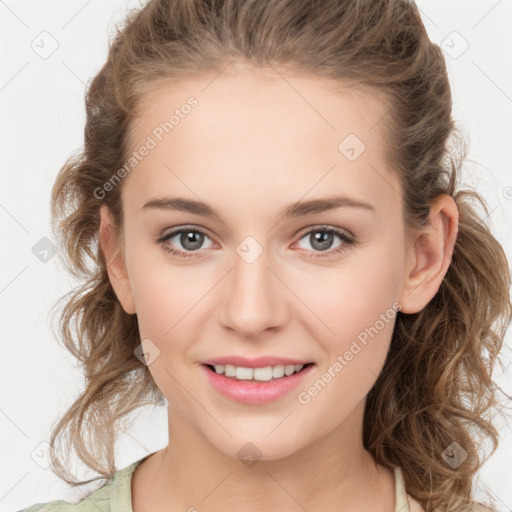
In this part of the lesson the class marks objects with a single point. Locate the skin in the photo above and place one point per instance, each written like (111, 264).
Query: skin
(252, 146)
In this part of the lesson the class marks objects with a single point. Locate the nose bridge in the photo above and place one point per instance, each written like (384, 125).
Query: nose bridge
(253, 301)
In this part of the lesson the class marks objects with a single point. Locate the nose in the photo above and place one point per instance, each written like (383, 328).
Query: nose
(253, 297)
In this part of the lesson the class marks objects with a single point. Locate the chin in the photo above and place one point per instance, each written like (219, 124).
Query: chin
(259, 447)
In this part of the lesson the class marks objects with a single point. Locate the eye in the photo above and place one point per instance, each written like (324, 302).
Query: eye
(321, 238)
(191, 240)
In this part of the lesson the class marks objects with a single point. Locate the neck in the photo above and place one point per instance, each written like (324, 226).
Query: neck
(334, 472)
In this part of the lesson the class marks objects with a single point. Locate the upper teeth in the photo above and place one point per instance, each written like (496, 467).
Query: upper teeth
(266, 373)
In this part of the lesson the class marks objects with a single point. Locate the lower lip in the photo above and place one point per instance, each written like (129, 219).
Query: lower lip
(255, 392)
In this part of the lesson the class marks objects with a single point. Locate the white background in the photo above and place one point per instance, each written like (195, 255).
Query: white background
(41, 124)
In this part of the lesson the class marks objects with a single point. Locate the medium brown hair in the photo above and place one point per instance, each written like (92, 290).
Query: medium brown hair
(436, 387)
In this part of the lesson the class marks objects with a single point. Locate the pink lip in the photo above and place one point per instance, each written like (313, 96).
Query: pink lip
(257, 362)
(254, 392)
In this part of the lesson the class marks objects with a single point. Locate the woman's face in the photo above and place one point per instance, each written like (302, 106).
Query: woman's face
(255, 281)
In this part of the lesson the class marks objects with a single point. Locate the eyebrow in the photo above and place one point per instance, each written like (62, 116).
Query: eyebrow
(299, 209)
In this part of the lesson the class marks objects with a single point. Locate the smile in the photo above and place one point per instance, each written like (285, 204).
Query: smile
(263, 374)
(255, 386)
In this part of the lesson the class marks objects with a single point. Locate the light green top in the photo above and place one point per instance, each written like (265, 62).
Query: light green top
(116, 496)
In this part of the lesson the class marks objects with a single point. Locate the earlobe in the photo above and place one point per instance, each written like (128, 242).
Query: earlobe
(431, 255)
(116, 267)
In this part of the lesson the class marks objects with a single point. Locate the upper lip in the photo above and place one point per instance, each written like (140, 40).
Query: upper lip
(256, 362)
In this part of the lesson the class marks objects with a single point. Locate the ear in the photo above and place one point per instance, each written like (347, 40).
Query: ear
(116, 267)
(430, 255)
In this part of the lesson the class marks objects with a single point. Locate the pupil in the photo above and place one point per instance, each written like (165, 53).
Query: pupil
(324, 240)
(193, 238)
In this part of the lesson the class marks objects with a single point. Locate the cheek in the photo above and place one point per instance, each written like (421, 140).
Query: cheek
(346, 300)
(354, 310)
(360, 312)
(163, 291)
(166, 306)
(164, 301)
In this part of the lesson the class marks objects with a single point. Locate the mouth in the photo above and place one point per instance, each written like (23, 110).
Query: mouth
(258, 385)
(260, 374)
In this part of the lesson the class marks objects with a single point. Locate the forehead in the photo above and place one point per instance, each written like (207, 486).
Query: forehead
(259, 126)
(253, 95)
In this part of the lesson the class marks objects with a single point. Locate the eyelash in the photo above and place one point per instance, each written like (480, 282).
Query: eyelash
(345, 237)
